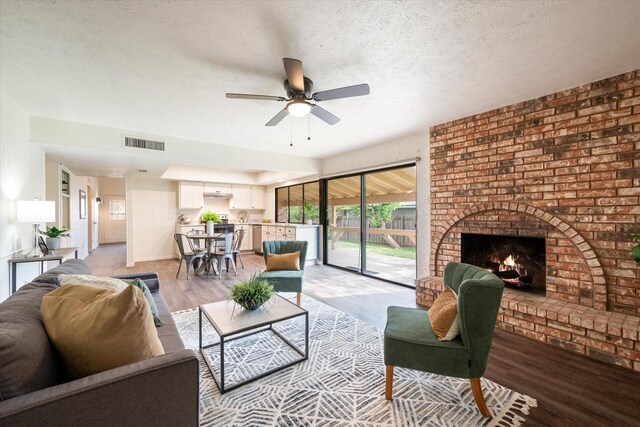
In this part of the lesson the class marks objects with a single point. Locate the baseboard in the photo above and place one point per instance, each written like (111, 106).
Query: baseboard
(155, 258)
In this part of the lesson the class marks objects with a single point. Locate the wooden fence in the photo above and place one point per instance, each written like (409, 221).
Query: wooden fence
(404, 223)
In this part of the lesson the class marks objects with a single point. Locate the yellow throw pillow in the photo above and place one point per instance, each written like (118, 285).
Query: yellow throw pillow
(109, 283)
(443, 315)
(290, 261)
(96, 330)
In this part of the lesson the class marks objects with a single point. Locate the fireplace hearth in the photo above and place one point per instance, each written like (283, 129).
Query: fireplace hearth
(518, 261)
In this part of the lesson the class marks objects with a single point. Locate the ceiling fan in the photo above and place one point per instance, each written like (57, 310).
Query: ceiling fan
(298, 89)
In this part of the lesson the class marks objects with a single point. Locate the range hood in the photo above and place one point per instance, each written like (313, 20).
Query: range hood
(217, 195)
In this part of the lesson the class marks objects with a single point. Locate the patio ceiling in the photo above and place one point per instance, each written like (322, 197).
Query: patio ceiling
(395, 185)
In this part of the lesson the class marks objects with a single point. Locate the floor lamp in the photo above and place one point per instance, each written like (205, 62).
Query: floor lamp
(35, 212)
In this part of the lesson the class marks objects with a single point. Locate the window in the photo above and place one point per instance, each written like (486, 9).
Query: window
(116, 209)
(295, 204)
(312, 202)
(282, 204)
(298, 203)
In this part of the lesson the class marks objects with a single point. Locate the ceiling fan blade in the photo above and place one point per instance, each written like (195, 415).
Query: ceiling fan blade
(293, 68)
(342, 92)
(324, 115)
(260, 97)
(278, 117)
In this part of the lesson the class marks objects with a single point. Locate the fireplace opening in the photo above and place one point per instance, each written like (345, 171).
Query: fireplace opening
(518, 261)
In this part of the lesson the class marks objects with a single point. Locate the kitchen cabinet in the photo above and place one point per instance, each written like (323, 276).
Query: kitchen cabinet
(294, 232)
(241, 197)
(246, 197)
(190, 195)
(257, 197)
(247, 240)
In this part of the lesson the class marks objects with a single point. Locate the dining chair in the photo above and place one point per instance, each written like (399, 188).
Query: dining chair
(238, 235)
(199, 245)
(189, 257)
(225, 254)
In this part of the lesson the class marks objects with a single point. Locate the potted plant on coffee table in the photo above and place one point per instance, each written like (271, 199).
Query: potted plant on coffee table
(53, 236)
(252, 293)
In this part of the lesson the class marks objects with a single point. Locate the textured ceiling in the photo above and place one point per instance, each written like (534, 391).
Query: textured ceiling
(164, 67)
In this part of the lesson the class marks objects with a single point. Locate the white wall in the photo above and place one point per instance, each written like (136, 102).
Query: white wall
(21, 178)
(152, 208)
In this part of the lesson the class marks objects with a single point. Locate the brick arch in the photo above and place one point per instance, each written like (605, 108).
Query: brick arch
(597, 272)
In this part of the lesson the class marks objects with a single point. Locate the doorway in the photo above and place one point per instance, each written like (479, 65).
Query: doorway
(371, 224)
(113, 219)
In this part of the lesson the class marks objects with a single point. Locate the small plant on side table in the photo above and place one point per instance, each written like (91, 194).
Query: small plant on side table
(252, 293)
(53, 236)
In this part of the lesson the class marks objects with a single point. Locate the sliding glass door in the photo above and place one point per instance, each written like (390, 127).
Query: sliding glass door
(344, 222)
(371, 224)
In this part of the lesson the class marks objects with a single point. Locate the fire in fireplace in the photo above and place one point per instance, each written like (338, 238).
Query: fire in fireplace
(518, 261)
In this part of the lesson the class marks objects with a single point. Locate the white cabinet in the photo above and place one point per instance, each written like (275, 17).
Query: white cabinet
(257, 197)
(190, 195)
(241, 197)
(269, 232)
(247, 240)
(246, 197)
(285, 232)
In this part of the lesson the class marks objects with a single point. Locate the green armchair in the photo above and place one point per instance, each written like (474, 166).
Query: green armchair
(286, 280)
(409, 341)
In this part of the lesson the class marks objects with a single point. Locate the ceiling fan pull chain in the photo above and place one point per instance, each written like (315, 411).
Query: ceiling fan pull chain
(291, 133)
(308, 128)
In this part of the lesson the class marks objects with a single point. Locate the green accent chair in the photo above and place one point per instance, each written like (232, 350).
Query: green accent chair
(286, 280)
(409, 341)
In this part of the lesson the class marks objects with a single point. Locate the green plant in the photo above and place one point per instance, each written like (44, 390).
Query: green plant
(210, 216)
(54, 232)
(252, 293)
(635, 251)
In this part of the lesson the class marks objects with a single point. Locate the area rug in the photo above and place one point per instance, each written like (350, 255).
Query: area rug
(341, 384)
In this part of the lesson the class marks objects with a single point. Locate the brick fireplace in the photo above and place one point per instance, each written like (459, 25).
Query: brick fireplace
(564, 168)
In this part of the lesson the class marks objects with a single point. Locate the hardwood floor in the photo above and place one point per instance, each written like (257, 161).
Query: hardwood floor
(571, 390)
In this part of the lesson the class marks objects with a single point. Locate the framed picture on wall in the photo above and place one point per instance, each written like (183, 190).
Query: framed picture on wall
(83, 204)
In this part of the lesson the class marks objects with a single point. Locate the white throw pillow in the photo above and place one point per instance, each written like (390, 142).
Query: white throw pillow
(108, 283)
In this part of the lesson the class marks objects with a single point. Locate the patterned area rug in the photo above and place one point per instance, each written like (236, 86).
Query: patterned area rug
(342, 383)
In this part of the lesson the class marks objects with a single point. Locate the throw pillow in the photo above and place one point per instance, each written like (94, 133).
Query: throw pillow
(290, 261)
(139, 283)
(443, 315)
(95, 330)
(108, 283)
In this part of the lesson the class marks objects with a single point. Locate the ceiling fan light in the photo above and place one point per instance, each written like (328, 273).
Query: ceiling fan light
(299, 108)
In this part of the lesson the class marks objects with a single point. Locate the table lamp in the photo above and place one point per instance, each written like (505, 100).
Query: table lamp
(35, 212)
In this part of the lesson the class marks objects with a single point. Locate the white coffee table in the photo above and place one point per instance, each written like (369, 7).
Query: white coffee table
(232, 322)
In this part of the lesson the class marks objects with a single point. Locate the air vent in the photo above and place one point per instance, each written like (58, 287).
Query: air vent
(143, 143)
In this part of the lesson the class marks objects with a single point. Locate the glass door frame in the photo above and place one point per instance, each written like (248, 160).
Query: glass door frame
(324, 205)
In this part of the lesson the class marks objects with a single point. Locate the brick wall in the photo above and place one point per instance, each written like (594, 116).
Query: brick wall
(566, 167)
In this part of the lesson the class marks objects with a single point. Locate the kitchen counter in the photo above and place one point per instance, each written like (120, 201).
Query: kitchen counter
(287, 231)
(282, 224)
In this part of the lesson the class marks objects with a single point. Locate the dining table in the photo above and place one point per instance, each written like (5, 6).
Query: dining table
(211, 244)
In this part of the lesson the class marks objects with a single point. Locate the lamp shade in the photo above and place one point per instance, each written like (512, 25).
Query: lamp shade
(298, 108)
(35, 211)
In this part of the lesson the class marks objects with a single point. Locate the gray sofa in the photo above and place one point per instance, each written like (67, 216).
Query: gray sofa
(34, 390)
